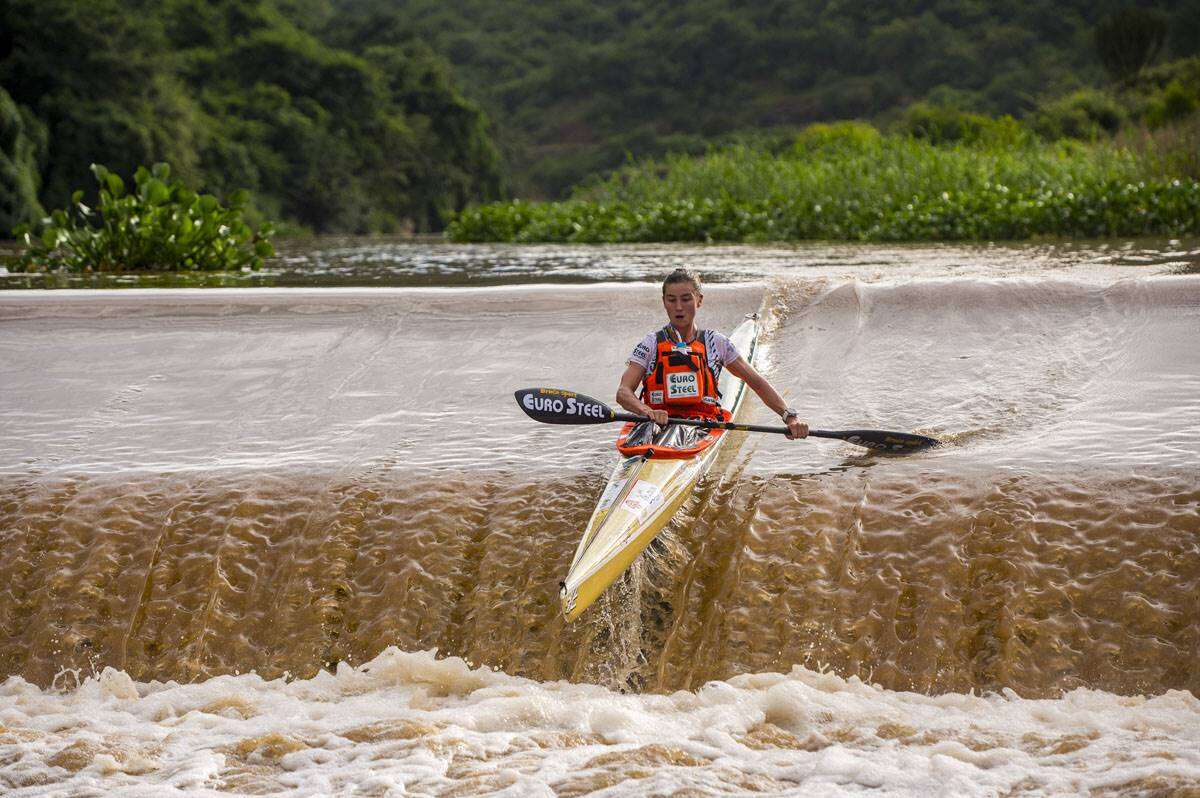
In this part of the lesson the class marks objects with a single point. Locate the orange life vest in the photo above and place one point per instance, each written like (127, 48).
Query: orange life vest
(680, 380)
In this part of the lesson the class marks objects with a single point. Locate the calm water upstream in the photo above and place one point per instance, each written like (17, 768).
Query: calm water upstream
(237, 522)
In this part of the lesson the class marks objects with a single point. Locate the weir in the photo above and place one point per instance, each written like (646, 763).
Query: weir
(195, 484)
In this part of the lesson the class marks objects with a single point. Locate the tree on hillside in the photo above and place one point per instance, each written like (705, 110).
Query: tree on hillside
(576, 87)
(1129, 40)
(234, 94)
(104, 98)
(22, 141)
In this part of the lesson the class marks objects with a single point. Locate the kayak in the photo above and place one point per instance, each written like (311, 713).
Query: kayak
(645, 491)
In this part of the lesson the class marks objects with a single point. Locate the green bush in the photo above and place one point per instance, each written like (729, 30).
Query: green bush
(903, 189)
(22, 140)
(823, 137)
(939, 124)
(1175, 102)
(160, 226)
(1086, 114)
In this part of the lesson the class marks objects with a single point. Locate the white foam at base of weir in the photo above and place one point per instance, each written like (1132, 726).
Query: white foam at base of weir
(524, 737)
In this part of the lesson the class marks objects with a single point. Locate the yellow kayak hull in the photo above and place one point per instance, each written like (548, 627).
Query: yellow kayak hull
(641, 498)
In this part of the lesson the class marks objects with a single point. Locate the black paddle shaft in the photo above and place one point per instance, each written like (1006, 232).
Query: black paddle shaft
(556, 406)
(880, 440)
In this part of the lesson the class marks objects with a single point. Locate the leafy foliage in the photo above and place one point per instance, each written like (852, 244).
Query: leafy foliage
(376, 116)
(327, 130)
(939, 124)
(1086, 114)
(21, 140)
(894, 188)
(160, 226)
(576, 87)
(821, 138)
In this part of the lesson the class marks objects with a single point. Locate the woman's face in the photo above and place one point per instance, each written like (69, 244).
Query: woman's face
(681, 301)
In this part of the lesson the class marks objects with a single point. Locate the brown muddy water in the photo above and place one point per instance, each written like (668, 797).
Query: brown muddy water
(206, 482)
(203, 483)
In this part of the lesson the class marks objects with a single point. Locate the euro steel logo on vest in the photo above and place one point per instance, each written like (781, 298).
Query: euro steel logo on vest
(682, 385)
(551, 404)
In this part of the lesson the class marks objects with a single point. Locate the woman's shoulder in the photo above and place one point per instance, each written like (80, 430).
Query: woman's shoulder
(643, 353)
(719, 344)
(716, 338)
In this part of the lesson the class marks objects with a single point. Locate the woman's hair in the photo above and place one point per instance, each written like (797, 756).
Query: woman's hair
(682, 276)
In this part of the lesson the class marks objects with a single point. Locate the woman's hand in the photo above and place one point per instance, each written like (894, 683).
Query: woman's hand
(796, 428)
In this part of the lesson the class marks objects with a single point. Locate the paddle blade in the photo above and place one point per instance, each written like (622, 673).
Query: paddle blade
(883, 441)
(556, 406)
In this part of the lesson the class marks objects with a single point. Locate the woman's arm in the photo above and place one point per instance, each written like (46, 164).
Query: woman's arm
(627, 399)
(770, 397)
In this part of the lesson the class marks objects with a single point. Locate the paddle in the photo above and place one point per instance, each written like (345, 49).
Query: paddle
(555, 406)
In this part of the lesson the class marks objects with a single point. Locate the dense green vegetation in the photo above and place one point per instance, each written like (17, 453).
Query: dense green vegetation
(1123, 161)
(575, 87)
(160, 226)
(849, 182)
(368, 115)
(329, 127)
(22, 140)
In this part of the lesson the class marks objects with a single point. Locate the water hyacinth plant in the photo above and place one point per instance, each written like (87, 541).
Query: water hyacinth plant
(161, 226)
(864, 188)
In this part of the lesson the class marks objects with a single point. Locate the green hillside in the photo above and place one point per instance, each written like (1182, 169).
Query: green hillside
(1116, 162)
(372, 115)
(576, 86)
(326, 131)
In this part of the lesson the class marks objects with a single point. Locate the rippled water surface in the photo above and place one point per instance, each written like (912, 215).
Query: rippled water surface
(199, 483)
(405, 263)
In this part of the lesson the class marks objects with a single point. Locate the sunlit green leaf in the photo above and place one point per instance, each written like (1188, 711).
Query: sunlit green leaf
(155, 192)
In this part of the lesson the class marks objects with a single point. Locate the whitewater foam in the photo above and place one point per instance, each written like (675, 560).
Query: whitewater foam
(411, 723)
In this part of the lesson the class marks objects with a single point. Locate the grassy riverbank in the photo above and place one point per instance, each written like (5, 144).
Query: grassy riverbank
(848, 182)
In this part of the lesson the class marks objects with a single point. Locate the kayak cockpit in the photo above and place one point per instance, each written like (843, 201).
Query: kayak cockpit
(644, 439)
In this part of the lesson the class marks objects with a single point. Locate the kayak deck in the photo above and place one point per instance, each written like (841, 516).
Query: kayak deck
(676, 441)
(642, 495)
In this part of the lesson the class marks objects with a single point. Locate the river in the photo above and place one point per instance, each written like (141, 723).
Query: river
(293, 535)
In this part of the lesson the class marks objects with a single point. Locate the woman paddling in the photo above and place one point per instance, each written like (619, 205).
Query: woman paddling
(678, 366)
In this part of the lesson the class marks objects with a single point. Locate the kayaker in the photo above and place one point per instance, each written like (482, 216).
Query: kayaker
(678, 366)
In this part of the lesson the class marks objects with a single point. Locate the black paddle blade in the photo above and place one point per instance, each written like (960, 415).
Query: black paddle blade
(555, 406)
(882, 441)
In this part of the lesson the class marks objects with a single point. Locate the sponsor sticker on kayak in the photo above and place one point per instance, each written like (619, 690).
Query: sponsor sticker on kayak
(643, 500)
(616, 482)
